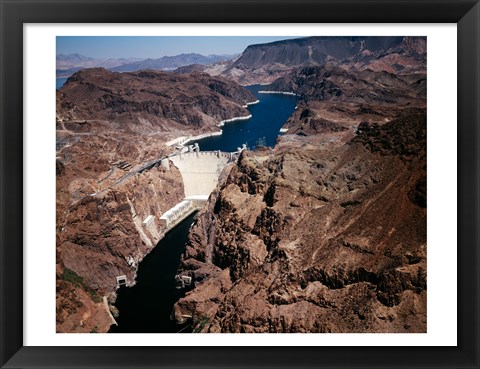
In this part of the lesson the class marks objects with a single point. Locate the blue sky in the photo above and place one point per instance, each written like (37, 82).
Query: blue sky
(156, 46)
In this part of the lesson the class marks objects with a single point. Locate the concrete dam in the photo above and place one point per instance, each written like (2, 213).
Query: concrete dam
(200, 170)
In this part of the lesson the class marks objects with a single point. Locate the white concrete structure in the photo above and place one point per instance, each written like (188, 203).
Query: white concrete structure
(121, 280)
(148, 221)
(150, 226)
(200, 170)
(176, 214)
(183, 281)
(198, 201)
(165, 164)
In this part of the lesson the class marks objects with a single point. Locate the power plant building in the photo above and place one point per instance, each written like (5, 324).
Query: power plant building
(175, 213)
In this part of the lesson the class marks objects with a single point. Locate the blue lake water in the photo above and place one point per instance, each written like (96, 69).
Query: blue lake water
(268, 116)
(60, 82)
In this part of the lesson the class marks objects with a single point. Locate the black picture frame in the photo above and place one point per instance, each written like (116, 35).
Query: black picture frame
(14, 13)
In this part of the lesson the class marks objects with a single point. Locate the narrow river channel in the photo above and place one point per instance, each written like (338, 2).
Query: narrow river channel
(147, 306)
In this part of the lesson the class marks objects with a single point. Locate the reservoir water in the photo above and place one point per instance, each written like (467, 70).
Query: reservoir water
(268, 116)
(147, 306)
(60, 82)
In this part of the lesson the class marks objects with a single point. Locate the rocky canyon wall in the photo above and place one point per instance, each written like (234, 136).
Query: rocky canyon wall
(316, 239)
(104, 236)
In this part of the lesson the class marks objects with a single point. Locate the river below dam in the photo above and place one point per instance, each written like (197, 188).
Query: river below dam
(147, 306)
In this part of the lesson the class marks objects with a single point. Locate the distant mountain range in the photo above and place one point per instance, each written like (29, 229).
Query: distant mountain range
(264, 63)
(172, 62)
(71, 63)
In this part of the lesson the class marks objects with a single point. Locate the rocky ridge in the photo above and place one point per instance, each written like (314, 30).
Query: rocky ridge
(100, 230)
(147, 102)
(334, 101)
(327, 231)
(263, 63)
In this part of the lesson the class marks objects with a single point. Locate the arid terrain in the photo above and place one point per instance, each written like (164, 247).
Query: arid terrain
(325, 232)
(109, 125)
(317, 238)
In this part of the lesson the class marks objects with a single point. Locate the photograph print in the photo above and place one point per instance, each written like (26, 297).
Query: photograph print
(214, 184)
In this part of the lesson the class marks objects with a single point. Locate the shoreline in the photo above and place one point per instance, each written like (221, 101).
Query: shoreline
(278, 92)
(204, 135)
(251, 103)
(234, 119)
(183, 140)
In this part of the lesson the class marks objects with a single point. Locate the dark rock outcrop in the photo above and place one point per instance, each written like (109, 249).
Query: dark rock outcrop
(337, 84)
(151, 101)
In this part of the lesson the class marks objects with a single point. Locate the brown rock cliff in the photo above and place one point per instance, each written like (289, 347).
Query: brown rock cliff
(315, 239)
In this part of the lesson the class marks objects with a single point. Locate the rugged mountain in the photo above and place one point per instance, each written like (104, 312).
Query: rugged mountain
(333, 99)
(315, 239)
(149, 101)
(102, 201)
(324, 233)
(314, 50)
(172, 62)
(187, 69)
(263, 63)
(66, 65)
(337, 84)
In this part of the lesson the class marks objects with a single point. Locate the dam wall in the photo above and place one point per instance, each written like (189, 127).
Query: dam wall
(200, 170)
